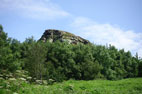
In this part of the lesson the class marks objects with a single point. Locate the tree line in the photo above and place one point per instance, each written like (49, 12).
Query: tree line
(62, 61)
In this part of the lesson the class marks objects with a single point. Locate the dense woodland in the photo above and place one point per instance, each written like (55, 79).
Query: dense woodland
(63, 61)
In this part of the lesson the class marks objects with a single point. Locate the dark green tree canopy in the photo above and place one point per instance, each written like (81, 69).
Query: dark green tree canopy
(62, 61)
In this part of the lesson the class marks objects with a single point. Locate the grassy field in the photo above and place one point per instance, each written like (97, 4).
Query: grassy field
(125, 86)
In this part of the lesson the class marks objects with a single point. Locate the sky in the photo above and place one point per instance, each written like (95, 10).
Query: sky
(115, 22)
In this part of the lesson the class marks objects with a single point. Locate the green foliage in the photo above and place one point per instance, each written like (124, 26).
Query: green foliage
(11, 86)
(35, 60)
(62, 61)
(140, 68)
(9, 53)
(125, 86)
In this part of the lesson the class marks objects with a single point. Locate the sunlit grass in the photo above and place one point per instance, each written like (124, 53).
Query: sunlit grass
(125, 86)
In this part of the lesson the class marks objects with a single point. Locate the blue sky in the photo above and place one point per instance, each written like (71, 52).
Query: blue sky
(116, 22)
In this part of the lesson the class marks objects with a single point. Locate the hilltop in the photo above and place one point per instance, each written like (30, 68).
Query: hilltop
(53, 35)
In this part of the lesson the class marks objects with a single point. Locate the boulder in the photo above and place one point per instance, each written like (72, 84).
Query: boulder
(52, 35)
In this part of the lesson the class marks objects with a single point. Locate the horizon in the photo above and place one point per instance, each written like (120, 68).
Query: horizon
(115, 22)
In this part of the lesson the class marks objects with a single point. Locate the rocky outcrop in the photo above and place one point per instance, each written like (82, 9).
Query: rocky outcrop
(53, 35)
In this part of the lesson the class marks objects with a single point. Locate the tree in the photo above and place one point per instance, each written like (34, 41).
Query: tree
(7, 60)
(35, 60)
(140, 68)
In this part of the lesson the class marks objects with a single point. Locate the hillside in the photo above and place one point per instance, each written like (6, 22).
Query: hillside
(48, 65)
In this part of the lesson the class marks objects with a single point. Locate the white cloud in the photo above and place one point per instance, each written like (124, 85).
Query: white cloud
(108, 34)
(97, 33)
(38, 9)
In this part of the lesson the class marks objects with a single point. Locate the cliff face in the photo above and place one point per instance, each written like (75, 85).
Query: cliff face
(54, 35)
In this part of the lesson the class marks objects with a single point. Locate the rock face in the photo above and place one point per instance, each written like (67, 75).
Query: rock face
(53, 35)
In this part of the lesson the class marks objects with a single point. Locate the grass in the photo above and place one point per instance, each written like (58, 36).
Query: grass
(125, 86)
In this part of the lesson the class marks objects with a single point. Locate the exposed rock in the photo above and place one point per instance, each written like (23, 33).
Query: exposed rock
(53, 35)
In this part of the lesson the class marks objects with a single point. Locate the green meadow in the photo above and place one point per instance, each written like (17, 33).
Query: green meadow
(125, 86)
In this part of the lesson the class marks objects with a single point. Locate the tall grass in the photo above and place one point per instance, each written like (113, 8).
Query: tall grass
(125, 86)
